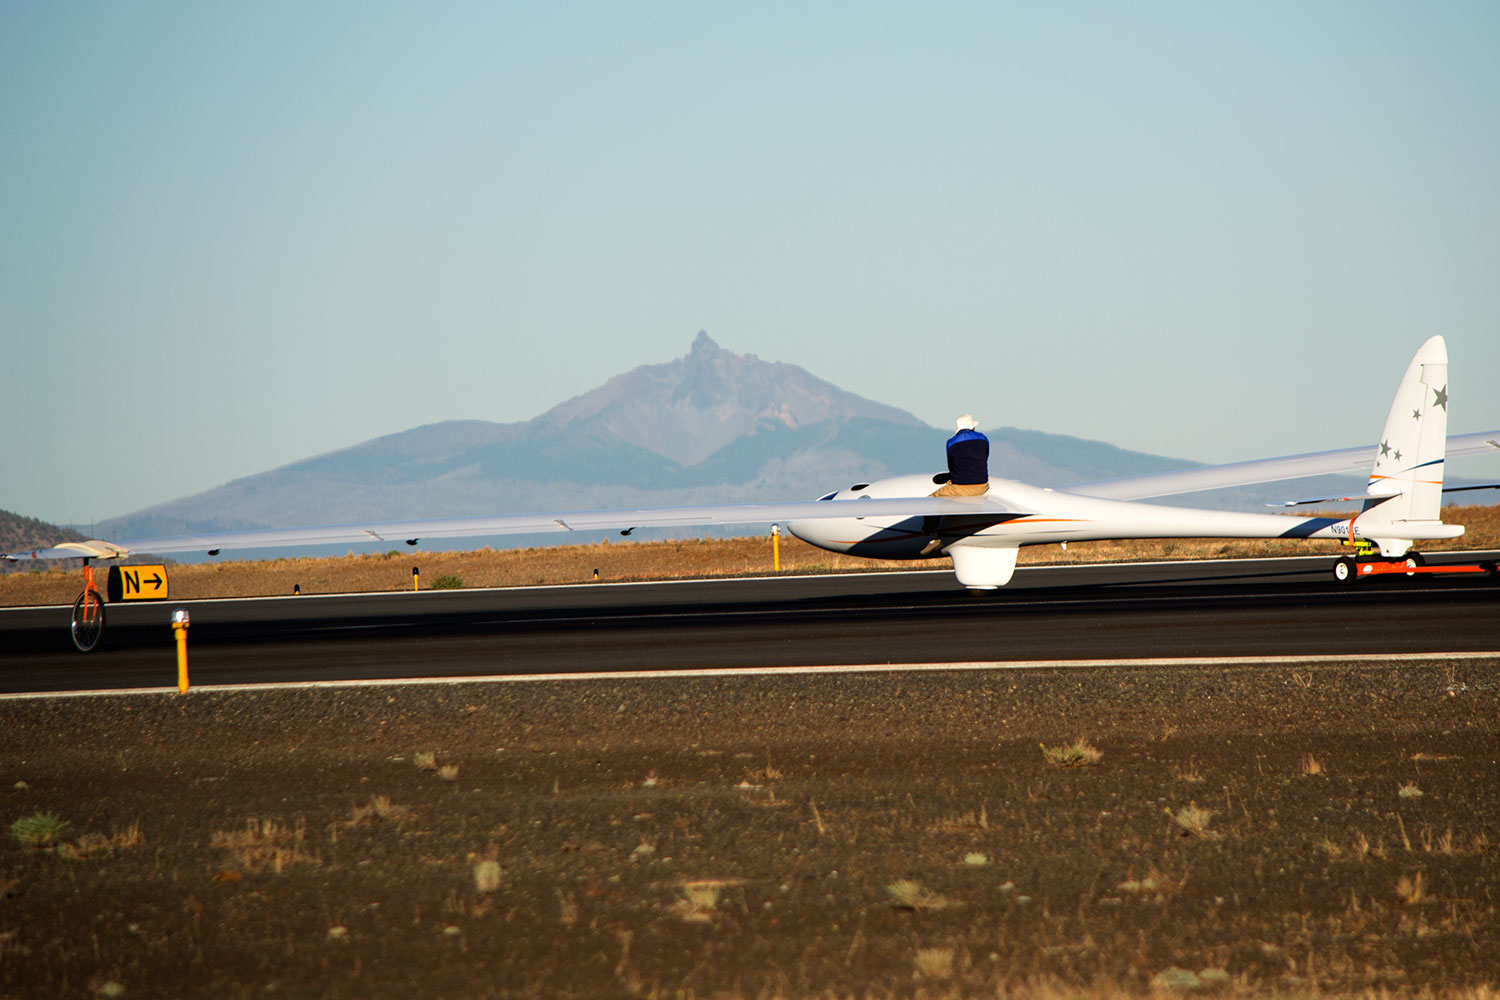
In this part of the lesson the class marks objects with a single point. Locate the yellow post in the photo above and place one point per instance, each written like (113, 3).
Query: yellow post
(416, 578)
(776, 547)
(179, 628)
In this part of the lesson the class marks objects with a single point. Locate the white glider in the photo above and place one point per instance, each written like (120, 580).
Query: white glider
(897, 518)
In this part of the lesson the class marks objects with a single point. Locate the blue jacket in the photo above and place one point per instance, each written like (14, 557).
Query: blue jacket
(969, 458)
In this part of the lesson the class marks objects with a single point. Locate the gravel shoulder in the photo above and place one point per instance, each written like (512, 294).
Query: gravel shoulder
(859, 835)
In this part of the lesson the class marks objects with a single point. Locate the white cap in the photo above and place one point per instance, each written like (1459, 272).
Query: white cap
(967, 422)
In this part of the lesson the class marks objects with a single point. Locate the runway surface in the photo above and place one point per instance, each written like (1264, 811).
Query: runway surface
(1237, 608)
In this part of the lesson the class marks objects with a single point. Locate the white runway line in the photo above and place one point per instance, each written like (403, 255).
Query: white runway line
(863, 668)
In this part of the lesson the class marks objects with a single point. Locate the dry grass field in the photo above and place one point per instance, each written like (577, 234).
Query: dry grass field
(1227, 832)
(619, 560)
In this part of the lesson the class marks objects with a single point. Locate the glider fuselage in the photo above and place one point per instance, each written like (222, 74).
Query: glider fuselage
(1042, 516)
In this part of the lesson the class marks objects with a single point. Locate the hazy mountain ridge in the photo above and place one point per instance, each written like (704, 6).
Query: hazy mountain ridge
(711, 426)
(19, 533)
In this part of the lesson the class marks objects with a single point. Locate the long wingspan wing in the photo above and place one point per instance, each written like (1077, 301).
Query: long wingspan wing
(512, 524)
(1318, 463)
(1352, 460)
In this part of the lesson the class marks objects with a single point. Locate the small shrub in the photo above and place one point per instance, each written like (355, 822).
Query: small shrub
(1310, 766)
(448, 582)
(969, 822)
(1442, 845)
(761, 775)
(699, 902)
(1193, 821)
(265, 845)
(907, 894)
(1176, 980)
(1361, 845)
(1410, 889)
(92, 845)
(1409, 791)
(39, 830)
(1190, 774)
(1079, 753)
(1153, 884)
(380, 809)
(487, 875)
(934, 963)
(567, 909)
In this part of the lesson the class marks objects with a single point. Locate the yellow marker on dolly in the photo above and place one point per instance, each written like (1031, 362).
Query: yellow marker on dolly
(179, 628)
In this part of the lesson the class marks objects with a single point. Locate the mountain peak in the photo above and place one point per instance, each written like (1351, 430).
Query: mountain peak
(688, 408)
(704, 344)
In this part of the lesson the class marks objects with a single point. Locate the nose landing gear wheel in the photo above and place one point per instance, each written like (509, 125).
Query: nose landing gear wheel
(88, 620)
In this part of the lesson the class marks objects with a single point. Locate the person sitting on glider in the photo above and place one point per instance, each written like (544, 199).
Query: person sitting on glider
(968, 461)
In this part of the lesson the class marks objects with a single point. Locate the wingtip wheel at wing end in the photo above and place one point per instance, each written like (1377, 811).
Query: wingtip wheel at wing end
(87, 626)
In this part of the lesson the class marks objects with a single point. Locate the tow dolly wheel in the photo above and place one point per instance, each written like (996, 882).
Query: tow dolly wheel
(1413, 561)
(1345, 570)
(88, 620)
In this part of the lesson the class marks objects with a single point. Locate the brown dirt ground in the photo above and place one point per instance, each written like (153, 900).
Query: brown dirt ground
(629, 560)
(746, 837)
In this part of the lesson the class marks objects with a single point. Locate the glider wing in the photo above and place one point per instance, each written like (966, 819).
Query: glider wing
(474, 527)
(1352, 461)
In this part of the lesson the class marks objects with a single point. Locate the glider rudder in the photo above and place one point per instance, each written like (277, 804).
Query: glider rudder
(1406, 479)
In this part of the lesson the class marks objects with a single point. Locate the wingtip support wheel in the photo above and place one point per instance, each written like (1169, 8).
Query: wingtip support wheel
(88, 621)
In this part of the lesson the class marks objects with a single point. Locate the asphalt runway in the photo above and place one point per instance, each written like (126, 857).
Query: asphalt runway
(1233, 608)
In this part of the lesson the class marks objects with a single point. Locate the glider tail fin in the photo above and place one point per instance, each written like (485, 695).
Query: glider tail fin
(1406, 482)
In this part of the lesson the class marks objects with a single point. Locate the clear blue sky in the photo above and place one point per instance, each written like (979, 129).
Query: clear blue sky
(236, 235)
